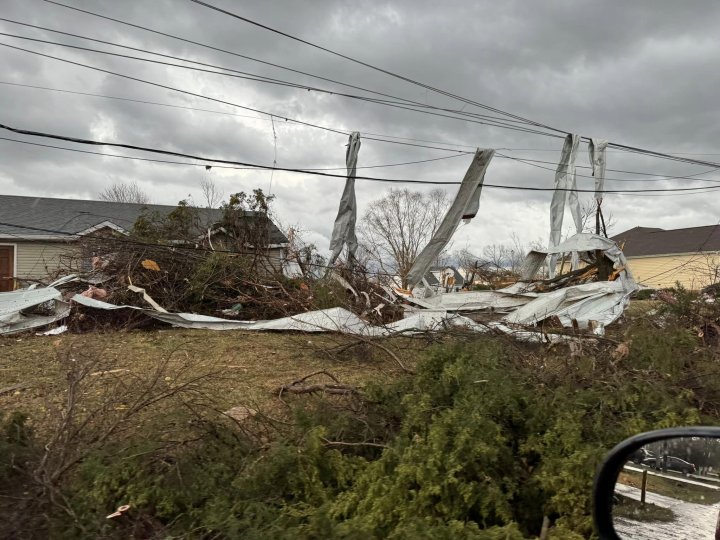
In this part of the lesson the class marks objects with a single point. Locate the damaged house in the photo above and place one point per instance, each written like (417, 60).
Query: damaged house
(39, 236)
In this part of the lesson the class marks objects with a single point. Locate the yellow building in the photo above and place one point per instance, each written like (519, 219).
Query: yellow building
(660, 258)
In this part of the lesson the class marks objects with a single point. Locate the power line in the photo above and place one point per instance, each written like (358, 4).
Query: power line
(167, 162)
(500, 121)
(133, 25)
(655, 176)
(213, 111)
(375, 68)
(252, 76)
(319, 173)
(166, 87)
(228, 72)
(217, 166)
(618, 146)
(278, 116)
(638, 173)
(658, 178)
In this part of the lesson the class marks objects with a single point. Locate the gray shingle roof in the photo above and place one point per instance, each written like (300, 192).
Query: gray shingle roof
(40, 217)
(645, 241)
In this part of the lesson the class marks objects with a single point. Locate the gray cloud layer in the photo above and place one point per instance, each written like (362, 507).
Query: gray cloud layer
(638, 73)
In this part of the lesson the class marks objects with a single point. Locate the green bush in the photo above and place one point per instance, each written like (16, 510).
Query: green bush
(644, 294)
(482, 442)
(482, 287)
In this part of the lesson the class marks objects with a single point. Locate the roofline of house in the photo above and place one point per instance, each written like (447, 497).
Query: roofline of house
(105, 224)
(38, 237)
(680, 254)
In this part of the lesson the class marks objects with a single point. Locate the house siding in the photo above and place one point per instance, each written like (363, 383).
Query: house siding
(693, 271)
(41, 260)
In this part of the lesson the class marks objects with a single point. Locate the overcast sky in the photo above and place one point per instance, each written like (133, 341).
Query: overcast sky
(642, 74)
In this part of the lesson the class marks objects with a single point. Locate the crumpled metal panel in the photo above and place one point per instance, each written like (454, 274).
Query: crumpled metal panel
(565, 190)
(578, 243)
(13, 303)
(596, 149)
(344, 228)
(468, 197)
(601, 301)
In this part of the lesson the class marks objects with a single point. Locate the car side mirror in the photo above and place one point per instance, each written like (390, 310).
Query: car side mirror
(661, 484)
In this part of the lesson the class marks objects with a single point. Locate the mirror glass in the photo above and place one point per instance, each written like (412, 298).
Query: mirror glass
(669, 489)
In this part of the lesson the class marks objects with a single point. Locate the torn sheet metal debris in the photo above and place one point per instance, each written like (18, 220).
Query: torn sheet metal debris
(337, 320)
(588, 305)
(597, 149)
(579, 243)
(601, 301)
(145, 296)
(565, 190)
(344, 228)
(467, 199)
(16, 307)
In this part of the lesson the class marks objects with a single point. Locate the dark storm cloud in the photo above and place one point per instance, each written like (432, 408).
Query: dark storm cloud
(640, 73)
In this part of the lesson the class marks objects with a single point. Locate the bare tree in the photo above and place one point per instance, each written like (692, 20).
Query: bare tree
(396, 227)
(498, 262)
(588, 210)
(212, 194)
(126, 192)
(475, 267)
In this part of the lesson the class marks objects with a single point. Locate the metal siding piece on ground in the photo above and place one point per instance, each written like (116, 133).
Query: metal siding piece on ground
(334, 320)
(466, 197)
(565, 189)
(12, 304)
(601, 301)
(15, 301)
(500, 301)
(596, 149)
(344, 228)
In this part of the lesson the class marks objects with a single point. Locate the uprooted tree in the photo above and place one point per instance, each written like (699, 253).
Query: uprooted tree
(396, 227)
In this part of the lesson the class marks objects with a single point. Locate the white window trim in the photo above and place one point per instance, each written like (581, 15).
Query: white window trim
(15, 257)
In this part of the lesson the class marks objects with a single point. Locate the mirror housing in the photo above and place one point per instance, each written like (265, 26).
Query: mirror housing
(603, 490)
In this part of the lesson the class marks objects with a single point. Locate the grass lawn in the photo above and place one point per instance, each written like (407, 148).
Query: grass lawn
(632, 509)
(671, 488)
(247, 367)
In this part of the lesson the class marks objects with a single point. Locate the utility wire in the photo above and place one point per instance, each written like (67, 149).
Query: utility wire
(278, 116)
(167, 162)
(443, 92)
(214, 111)
(658, 178)
(251, 76)
(375, 68)
(622, 147)
(227, 72)
(638, 173)
(239, 55)
(136, 158)
(319, 173)
(654, 176)
(166, 87)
